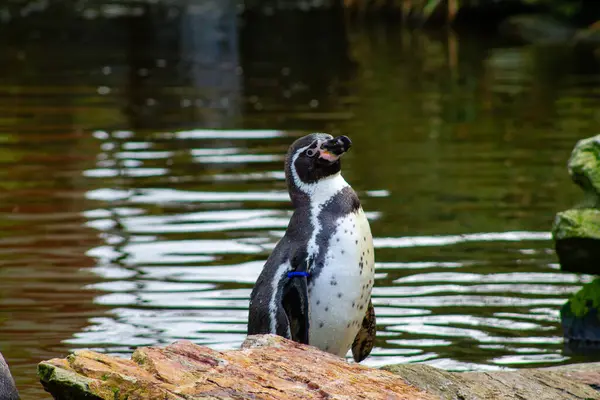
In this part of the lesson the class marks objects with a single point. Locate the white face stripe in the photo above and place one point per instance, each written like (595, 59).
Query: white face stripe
(304, 187)
(281, 271)
(308, 188)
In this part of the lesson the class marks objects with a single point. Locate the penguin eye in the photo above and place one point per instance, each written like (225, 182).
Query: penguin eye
(311, 152)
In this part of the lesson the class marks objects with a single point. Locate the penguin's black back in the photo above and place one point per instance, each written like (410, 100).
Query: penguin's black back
(289, 248)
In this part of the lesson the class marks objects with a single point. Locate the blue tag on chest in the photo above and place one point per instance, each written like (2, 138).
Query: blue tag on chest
(293, 274)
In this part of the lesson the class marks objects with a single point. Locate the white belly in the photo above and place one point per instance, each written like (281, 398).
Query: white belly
(340, 293)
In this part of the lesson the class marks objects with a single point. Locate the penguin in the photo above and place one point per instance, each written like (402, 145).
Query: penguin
(315, 287)
(8, 390)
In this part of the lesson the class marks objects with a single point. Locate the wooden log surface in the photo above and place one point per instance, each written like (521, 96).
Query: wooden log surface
(271, 367)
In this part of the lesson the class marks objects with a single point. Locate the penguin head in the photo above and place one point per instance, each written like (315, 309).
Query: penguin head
(313, 158)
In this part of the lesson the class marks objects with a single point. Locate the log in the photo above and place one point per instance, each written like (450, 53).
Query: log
(565, 383)
(271, 367)
(267, 367)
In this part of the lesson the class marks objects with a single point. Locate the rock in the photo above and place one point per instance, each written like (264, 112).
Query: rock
(577, 223)
(580, 316)
(569, 382)
(537, 28)
(269, 6)
(8, 390)
(584, 165)
(591, 34)
(267, 367)
(576, 233)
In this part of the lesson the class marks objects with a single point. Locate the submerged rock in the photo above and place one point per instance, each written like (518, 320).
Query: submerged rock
(584, 165)
(545, 29)
(267, 367)
(537, 28)
(580, 316)
(577, 240)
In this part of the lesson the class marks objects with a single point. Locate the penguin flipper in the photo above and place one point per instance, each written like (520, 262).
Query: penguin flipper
(365, 338)
(295, 304)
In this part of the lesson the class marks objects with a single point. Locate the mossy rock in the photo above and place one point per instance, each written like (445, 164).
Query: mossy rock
(585, 300)
(580, 316)
(65, 381)
(577, 239)
(577, 223)
(584, 165)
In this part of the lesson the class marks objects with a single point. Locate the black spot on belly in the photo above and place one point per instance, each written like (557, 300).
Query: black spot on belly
(348, 326)
(333, 283)
(337, 240)
(326, 309)
(343, 251)
(318, 302)
(356, 242)
(353, 304)
(321, 324)
(339, 295)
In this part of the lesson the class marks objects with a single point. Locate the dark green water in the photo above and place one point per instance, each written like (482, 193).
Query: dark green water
(142, 185)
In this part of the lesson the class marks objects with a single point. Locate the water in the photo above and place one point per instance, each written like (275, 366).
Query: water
(142, 185)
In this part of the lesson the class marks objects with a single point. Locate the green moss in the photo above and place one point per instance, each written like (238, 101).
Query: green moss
(585, 299)
(105, 377)
(65, 384)
(582, 223)
(584, 164)
(45, 371)
(138, 357)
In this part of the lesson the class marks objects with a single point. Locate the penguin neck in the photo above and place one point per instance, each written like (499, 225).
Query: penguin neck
(315, 194)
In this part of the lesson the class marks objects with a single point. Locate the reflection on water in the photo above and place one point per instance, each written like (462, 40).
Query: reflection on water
(142, 187)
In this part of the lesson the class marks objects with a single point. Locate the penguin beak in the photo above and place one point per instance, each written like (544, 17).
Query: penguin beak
(332, 149)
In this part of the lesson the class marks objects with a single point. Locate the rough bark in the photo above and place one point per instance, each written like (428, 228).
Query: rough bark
(267, 367)
(565, 383)
(270, 367)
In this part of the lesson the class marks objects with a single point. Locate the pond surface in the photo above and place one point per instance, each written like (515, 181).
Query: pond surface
(142, 182)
